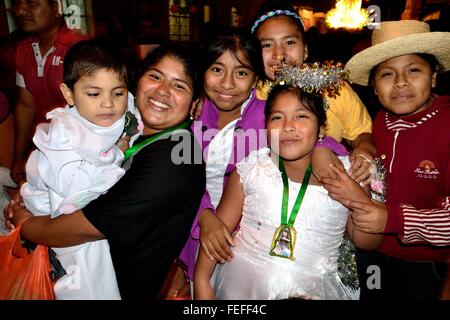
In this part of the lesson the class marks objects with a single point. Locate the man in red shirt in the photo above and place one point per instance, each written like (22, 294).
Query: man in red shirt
(39, 69)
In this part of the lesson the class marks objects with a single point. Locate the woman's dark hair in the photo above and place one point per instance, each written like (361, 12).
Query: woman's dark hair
(235, 40)
(273, 5)
(179, 52)
(429, 58)
(313, 102)
(87, 57)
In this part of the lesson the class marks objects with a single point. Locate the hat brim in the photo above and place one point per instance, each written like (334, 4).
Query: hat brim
(434, 43)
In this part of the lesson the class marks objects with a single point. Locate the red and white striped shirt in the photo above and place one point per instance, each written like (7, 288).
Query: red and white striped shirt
(427, 225)
(416, 150)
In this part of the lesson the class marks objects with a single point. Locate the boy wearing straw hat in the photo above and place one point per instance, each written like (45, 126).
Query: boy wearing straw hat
(412, 136)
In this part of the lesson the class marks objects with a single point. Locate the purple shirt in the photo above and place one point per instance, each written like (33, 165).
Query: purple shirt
(251, 124)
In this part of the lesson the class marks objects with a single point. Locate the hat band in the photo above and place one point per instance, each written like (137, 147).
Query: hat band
(270, 14)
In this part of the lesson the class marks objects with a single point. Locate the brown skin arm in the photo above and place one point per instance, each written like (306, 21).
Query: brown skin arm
(230, 212)
(364, 142)
(348, 192)
(24, 115)
(362, 240)
(321, 159)
(363, 150)
(64, 231)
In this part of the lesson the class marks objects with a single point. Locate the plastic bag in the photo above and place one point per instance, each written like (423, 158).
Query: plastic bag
(24, 275)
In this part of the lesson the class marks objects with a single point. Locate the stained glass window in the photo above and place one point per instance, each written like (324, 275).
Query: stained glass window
(179, 20)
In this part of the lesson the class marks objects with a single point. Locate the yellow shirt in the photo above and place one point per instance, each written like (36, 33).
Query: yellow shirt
(347, 117)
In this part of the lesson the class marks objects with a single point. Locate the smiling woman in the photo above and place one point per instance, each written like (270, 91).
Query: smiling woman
(146, 215)
(162, 93)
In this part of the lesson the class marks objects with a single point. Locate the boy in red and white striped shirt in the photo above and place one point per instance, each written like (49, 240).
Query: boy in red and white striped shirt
(412, 136)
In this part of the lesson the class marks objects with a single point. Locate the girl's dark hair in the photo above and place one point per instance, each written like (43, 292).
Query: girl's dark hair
(235, 40)
(87, 57)
(273, 5)
(313, 102)
(435, 65)
(179, 52)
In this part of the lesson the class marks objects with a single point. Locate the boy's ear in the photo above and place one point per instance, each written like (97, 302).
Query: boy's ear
(434, 80)
(67, 94)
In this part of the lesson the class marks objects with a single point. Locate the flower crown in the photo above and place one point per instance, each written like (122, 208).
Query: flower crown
(318, 78)
(276, 13)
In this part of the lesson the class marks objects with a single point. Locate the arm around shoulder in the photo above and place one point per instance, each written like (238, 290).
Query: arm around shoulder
(230, 212)
(64, 231)
(350, 112)
(361, 239)
(24, 114)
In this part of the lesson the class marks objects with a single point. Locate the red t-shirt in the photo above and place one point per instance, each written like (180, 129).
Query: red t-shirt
(43, 81)
(418, 172)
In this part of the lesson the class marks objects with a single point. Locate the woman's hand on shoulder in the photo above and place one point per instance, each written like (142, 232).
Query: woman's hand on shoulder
(321, 160)
(215, 238)
(361, 162)
(344, 189)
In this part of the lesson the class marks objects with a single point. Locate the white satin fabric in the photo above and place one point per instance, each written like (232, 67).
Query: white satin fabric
(218, 156)
(320, 225)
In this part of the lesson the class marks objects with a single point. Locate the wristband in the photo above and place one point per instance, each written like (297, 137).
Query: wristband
(333, 145)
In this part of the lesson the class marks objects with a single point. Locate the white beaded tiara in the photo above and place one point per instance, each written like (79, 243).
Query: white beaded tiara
(318, 78)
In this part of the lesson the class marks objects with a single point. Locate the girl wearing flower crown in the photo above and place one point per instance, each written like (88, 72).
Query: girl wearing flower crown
(290, 252)
(412, 136)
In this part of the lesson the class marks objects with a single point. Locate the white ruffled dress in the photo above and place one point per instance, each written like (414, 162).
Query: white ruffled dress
(320, 225)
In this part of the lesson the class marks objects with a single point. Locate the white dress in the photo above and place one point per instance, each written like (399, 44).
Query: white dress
(320, 225)
(76, 161)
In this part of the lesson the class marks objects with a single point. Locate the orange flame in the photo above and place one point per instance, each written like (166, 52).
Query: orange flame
(347, 14)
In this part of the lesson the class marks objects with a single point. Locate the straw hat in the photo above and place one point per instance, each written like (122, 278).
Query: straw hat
(397, 38)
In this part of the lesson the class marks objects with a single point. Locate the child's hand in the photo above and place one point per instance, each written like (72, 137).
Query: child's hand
(344, 189)
(320, 161)
(15, 214)
(215, 238)
(123, 143)
(369, 217)
(361, 163)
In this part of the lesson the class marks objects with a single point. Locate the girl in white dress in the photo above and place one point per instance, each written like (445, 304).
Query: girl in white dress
(77, 160)
(290, 229)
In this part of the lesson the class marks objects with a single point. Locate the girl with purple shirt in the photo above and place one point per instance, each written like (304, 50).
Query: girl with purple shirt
(230, 127)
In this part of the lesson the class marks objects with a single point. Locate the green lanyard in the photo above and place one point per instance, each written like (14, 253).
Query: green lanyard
(298, 201)
(160, 135)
